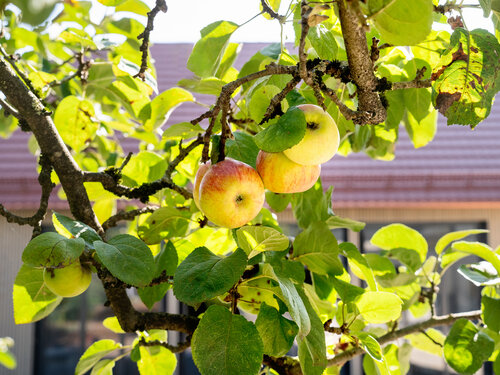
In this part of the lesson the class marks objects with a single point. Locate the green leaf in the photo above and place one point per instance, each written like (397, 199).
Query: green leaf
(399, 236)
(352, 253)
(421, 132)
(32, 299)
(127, 258)
(156, 360)
(402, 23)
(52, 249)
(133, 6)
(131, 68)
(259, 99)
(74, 120)
(242, 148)
(427, 342)
(480, 274)
(94, 354)
(466, 347)
(312, 347)
(317, 248)
(144, 167)
(293, 301)
(7, 359)
(230, 55)
(448, 238)
(208, 51)
(204, 275)
(491, 311)
(165, 222)
(370, 345)
(277, 201)
(165, 262)
(479, 249)
(486, 5)
(346, 291)
(287, 132)
(112, 324)
(163, 105)
(323, 41)
(277, 333)
(209, 85)
(76, 228)
(132, 95)
(184, 130)
(256, 239)
(379, 307)
(111, 3)
(104, 367)
(343, 222)
(465, 81)
(312, 205)
(35, 12)
(226, 344)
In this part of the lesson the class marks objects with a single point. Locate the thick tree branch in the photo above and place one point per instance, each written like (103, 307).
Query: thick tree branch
(52, 146)
(160, 5)
(416, 84)
(370, 107)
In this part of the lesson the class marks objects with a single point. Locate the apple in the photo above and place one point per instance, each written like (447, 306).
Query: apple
(68, 281)
(230, 193)
(281, 175)
(321, 140)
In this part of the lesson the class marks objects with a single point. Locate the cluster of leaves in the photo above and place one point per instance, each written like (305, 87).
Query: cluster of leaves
(296, 287)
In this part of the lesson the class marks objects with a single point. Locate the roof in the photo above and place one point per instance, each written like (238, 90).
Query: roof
(460, 166)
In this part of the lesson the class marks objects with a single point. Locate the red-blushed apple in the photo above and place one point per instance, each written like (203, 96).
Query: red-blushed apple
(281, 175)
(321, 140)
(203, 168)
(231, 193)
(68, 281)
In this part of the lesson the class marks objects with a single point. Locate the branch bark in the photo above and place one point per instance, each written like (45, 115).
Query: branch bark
(370, 108)
(52, 146)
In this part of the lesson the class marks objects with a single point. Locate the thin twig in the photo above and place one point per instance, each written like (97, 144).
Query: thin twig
(127, 216)
(160, 5)
(9, 110)
(47, 186)
(274, 108)
(266, 8)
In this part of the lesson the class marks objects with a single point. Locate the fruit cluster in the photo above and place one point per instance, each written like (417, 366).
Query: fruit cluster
(231, 193)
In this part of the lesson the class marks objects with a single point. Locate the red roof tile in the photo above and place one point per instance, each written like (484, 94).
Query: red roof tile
(459, 165)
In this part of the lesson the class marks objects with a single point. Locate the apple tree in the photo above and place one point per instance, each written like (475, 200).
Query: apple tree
(367, 66)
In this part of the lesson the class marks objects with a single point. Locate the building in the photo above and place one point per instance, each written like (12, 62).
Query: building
(453, 183)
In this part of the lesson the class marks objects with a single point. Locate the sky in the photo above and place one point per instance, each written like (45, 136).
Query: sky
(185, 18)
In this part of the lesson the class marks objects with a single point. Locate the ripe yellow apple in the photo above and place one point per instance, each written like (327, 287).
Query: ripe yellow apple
(281, 175)
(231, 193)
(321, 140)
(69, 281)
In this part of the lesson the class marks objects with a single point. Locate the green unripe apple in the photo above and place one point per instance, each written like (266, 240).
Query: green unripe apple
(69, 281)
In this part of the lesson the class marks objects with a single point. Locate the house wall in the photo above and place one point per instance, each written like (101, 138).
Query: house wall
(13, 239)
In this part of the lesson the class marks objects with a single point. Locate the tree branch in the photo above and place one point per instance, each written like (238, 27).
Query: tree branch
(126, 216)
(417, 327)
(370, 107)
(46, 183)
(173, 348)
(291, 366)
(52, 146)
(160, 5)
